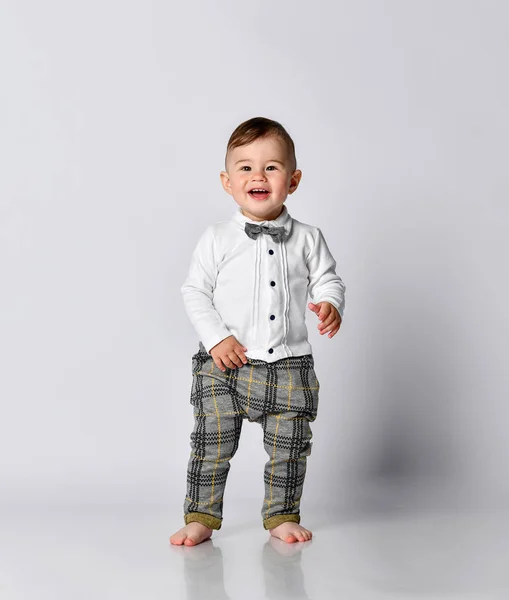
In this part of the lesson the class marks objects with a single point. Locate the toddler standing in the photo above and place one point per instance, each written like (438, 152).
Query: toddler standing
(246, 294)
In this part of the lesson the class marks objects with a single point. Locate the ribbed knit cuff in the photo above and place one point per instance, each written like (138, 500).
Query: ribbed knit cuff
(276, 520)
(207, 520)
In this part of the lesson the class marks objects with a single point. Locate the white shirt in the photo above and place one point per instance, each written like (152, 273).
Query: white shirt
(256, 290)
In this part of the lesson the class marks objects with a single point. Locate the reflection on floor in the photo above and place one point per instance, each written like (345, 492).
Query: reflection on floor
(124, 553)
(282, 570)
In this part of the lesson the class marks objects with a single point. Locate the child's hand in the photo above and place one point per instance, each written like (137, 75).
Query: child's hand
(228, 353)
(329, 317)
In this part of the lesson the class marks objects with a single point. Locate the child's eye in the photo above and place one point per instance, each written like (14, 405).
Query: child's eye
(248, 167)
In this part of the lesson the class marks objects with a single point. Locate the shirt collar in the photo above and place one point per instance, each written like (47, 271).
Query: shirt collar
(284, 220)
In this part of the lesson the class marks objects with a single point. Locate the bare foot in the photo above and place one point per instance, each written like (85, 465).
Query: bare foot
(291, 532)
(282, 548)
(192, 534)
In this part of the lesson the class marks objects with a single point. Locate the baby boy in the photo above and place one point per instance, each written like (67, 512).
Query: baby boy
(245, 295)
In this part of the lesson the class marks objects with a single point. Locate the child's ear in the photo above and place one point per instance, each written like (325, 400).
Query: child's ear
(225, 180)
(294, 181)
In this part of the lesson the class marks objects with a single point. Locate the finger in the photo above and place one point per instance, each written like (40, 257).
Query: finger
(228, 363)
(326, 321)
(242, 356)
(235, 359)
(219, 364)
(330, 327)
(333, 332)
(324, 311)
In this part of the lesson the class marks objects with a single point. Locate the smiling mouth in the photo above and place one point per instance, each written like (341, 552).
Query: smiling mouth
(259, 193)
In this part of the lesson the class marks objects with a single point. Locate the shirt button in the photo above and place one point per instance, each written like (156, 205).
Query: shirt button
(272, 317)
(271, 350)
(272, 283)
(271, 251)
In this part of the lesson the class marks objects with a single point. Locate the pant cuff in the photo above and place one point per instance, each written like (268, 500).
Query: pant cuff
(203, 518)
(276, 520)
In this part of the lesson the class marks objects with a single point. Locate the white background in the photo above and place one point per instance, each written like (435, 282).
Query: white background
(114, 118)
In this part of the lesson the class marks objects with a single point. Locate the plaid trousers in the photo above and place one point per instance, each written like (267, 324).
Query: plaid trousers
(283, 397)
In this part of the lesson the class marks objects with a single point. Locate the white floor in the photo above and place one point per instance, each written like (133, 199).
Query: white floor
(106, 553)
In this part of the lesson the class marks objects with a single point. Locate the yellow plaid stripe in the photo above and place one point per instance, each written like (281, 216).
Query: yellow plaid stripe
(218, 460)
(273, 461)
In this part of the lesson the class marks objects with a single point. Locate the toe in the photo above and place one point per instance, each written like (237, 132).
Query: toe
(189, 542)
(177, 539)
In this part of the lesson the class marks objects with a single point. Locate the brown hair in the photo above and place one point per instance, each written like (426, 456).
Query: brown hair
(260, 127)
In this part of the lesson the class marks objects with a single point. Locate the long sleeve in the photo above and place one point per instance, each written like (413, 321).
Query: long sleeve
(198, 289)
(324, 284)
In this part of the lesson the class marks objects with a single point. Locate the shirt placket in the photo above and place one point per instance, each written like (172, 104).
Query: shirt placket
(273, 311)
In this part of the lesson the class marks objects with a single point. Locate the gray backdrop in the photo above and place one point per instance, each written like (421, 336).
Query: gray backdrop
(114, 123)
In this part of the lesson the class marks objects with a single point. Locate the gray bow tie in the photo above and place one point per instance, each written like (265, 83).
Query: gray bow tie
(252, 230)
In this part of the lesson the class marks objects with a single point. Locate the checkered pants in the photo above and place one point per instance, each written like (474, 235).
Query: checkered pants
(283, 397)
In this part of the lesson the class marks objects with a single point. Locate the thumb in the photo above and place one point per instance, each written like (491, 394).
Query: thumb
(313, 307)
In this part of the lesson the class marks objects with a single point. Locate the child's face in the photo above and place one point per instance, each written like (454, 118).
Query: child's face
(263, 164)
